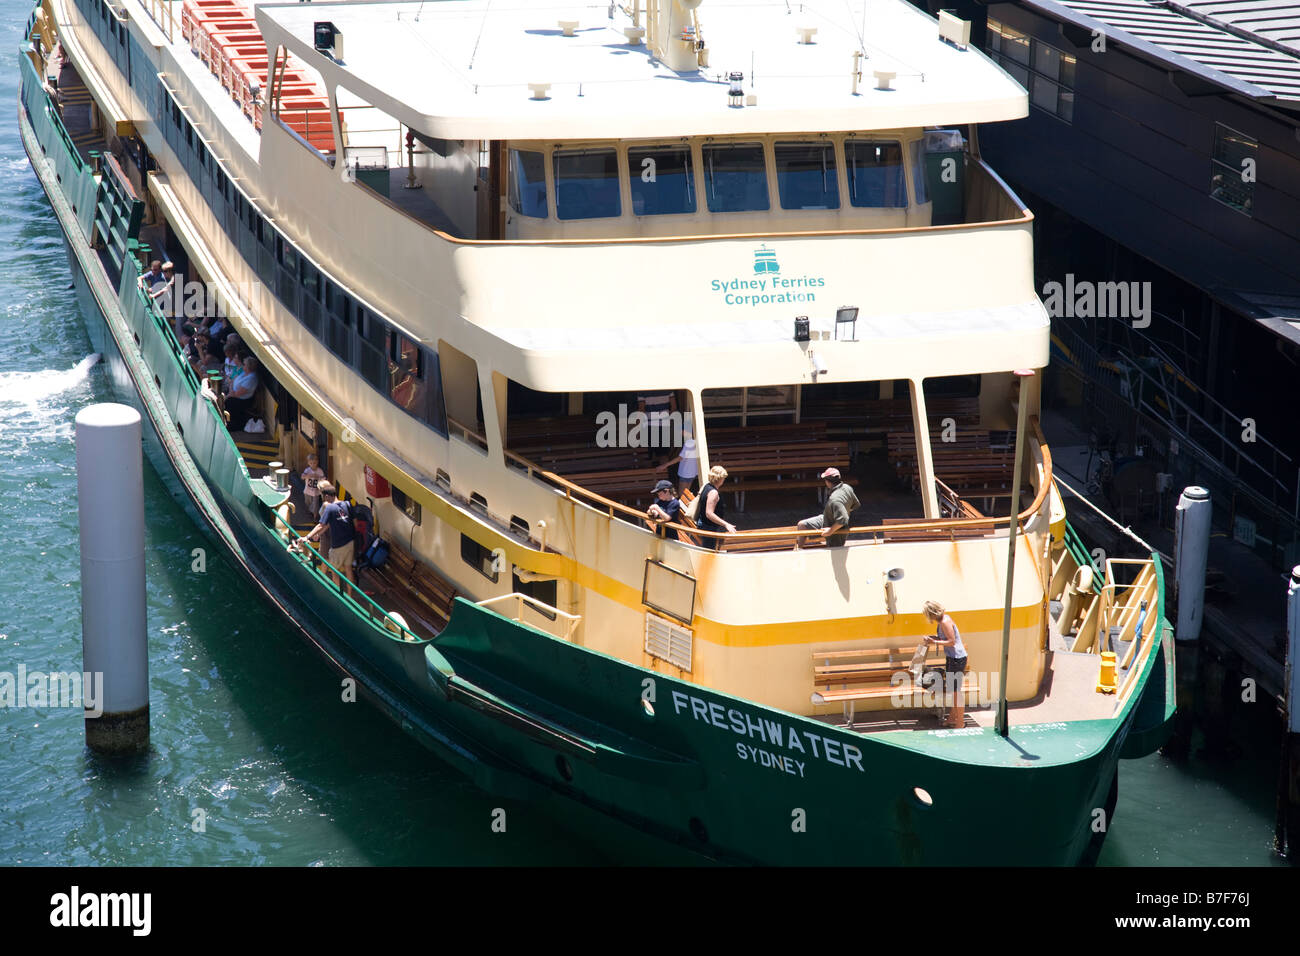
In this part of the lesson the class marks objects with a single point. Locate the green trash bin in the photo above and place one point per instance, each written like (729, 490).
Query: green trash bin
(945, 175)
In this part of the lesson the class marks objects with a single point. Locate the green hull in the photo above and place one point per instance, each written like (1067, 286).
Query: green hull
(528, 715)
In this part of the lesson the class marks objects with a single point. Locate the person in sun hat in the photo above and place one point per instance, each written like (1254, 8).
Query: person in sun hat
(666, 505)
(841, 502)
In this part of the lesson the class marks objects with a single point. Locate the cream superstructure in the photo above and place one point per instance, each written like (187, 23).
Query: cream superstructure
(635, 302)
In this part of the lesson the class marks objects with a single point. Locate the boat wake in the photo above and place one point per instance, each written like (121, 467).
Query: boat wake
(28, 401)
(33, 388)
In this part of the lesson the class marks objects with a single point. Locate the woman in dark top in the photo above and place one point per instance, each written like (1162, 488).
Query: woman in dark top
(712, 513)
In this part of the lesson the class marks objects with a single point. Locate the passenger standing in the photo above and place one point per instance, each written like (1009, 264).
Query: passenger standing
(337, 516)
(949, 638)
(311, 476)
(712, 513)
(841, 502)
(687, 463)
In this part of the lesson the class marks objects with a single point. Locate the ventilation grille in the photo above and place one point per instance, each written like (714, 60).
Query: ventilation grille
(668, 641)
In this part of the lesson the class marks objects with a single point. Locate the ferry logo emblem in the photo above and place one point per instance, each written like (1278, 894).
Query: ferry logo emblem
(765, 261)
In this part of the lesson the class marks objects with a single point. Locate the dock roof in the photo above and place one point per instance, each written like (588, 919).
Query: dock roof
(461, 69)
(1249, 47)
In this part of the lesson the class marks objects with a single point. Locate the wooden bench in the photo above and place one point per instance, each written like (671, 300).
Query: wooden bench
(879, 416)
(781, 465)
(622, 484)
(417, 591)
(734, 436)
(866, 674)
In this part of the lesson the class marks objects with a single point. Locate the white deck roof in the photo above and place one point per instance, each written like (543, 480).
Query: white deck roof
(460, 69)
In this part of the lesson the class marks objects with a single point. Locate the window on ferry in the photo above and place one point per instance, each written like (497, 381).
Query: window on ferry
(406, 374)
(662, 180)
(916, 159)
(875, 172)
(526, 183)
(338, 326)
(1234, 154)
(544, 591)
(479, 558)
(434, 412)
(309, 310)
(406, 505)
(286, 276)
(372, 346)
(735, 177)
(806, 177)
(586, 184)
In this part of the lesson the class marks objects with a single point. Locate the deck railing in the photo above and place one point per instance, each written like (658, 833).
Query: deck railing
(570, 621)
(614, 509)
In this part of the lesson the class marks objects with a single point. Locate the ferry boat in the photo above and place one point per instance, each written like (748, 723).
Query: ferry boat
(484, 259)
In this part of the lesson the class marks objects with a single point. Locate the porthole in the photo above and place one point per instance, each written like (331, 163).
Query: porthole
(648, 708)
(922, 798)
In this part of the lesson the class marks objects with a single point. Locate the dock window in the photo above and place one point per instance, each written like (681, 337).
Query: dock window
(735, 177)
(586, 184)
(527, 183)
(806, 177)
(875, 174)
(1234, 155)
(662, 180)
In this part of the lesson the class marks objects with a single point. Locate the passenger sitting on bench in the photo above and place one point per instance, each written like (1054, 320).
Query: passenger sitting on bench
(239, 399)
(665, 507)
(841, 502)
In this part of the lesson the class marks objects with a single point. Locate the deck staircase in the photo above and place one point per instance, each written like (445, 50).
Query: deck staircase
(224, 35)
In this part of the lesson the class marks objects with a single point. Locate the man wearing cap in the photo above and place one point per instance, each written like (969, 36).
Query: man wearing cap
(666, 506)
(841, 502)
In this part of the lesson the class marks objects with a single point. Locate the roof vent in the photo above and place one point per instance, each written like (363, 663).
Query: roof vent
(568, 26)
(540, 90)
(634, 35)
(806, 34)
(953, 30)
(884, 78)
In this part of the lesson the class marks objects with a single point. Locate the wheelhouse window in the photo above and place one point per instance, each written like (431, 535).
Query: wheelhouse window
(526, 185)
(875, 172)
(662, 180)
(735, 177)
(586, 184)
(806, 177)
(916, 153)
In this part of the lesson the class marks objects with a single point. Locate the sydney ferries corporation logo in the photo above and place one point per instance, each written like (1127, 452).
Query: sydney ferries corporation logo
(767, 286)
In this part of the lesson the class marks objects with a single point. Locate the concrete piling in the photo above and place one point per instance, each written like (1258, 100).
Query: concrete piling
(110, 500)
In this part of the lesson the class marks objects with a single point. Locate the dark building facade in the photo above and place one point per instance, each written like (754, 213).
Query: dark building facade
(1162, 145)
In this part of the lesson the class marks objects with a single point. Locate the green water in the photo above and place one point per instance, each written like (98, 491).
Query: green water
(250, 737)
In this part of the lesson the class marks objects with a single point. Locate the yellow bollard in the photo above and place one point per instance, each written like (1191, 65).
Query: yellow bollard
(1106, 682)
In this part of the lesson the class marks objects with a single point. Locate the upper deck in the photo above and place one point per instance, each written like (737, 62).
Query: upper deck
(461, 69)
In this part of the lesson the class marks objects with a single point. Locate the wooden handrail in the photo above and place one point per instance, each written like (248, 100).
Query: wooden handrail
(571, 490)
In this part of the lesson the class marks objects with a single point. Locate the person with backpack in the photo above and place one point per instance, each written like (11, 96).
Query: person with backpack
(336, 515)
